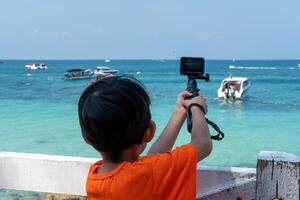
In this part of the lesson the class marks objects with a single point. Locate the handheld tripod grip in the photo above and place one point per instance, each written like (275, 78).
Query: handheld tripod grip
(192, 88)
(189, 122)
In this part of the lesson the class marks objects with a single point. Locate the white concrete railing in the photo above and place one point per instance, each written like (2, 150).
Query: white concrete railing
(44, 173)
(67, 175)
(278, 176)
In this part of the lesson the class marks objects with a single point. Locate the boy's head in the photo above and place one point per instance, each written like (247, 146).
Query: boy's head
(114, 114)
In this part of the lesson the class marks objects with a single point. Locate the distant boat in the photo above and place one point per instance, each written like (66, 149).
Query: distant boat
(233, 88)
(101, 70)
(107, 60)
(298, 65)
(36, 66)
(75, 74)
(101, 76)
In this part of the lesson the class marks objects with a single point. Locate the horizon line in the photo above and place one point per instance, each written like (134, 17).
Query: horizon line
(158, 59)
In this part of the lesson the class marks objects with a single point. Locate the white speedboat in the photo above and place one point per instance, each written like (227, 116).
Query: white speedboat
(102, 70)
(233, 88)
(36, 66)
(75, 74)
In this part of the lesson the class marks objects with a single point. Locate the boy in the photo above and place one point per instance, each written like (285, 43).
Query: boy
(115, 119)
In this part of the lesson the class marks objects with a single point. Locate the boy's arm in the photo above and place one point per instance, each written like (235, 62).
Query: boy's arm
(168, 137)
(200, 138)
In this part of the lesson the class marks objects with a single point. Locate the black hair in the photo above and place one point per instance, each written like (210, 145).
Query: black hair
(114, 114)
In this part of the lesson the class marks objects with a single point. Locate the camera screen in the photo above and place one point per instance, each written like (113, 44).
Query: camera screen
(192, 65)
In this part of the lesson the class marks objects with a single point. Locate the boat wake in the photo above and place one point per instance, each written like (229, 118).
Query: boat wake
(270, 103)
(248, 101)
(294, 68)
(253, 68)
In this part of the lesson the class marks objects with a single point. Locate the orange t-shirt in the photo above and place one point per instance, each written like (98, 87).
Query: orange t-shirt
(170, 175)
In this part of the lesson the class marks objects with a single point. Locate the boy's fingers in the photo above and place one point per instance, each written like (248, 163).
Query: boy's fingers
(186, 94)
(185, 103)
(183, 93)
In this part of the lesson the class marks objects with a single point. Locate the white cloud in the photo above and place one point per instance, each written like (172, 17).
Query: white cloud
(204, 36)
(60, 34)
(35, 31)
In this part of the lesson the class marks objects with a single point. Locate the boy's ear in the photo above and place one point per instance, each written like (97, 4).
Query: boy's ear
(150, 131)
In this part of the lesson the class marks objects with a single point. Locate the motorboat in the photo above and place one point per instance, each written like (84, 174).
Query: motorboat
(36, 66)
(233, 88)
(102, 70)
(75, 74)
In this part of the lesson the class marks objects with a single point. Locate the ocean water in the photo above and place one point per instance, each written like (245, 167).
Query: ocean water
(38, 113)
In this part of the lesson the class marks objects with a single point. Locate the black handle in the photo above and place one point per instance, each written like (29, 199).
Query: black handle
(192, 88)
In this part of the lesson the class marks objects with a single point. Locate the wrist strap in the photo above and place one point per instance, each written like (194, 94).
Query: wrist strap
(220, 134)
(198, 105)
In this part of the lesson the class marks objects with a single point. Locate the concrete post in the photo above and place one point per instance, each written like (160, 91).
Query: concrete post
(278, 176)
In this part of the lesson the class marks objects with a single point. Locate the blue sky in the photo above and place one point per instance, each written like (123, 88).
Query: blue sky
(158, 29)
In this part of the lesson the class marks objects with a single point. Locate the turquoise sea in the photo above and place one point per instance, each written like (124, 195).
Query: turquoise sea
(39, 112)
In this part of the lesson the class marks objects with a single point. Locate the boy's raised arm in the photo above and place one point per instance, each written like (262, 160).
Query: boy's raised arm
(168, 137)
(200, 136)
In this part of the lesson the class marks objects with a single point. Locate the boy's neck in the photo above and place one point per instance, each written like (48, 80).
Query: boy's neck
(128, 155)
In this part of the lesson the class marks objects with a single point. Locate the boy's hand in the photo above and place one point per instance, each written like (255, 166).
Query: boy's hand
(180, 103)
(183, 103)
(199, 100)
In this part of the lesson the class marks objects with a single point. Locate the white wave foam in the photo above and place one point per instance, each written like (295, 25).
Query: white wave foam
(255, 68)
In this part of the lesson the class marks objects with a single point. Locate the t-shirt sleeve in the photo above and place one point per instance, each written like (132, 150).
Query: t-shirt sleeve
(175, 173)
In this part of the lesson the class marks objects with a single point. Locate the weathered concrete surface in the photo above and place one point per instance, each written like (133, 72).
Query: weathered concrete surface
(226, 183)
(278, 176)
(62, 197)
